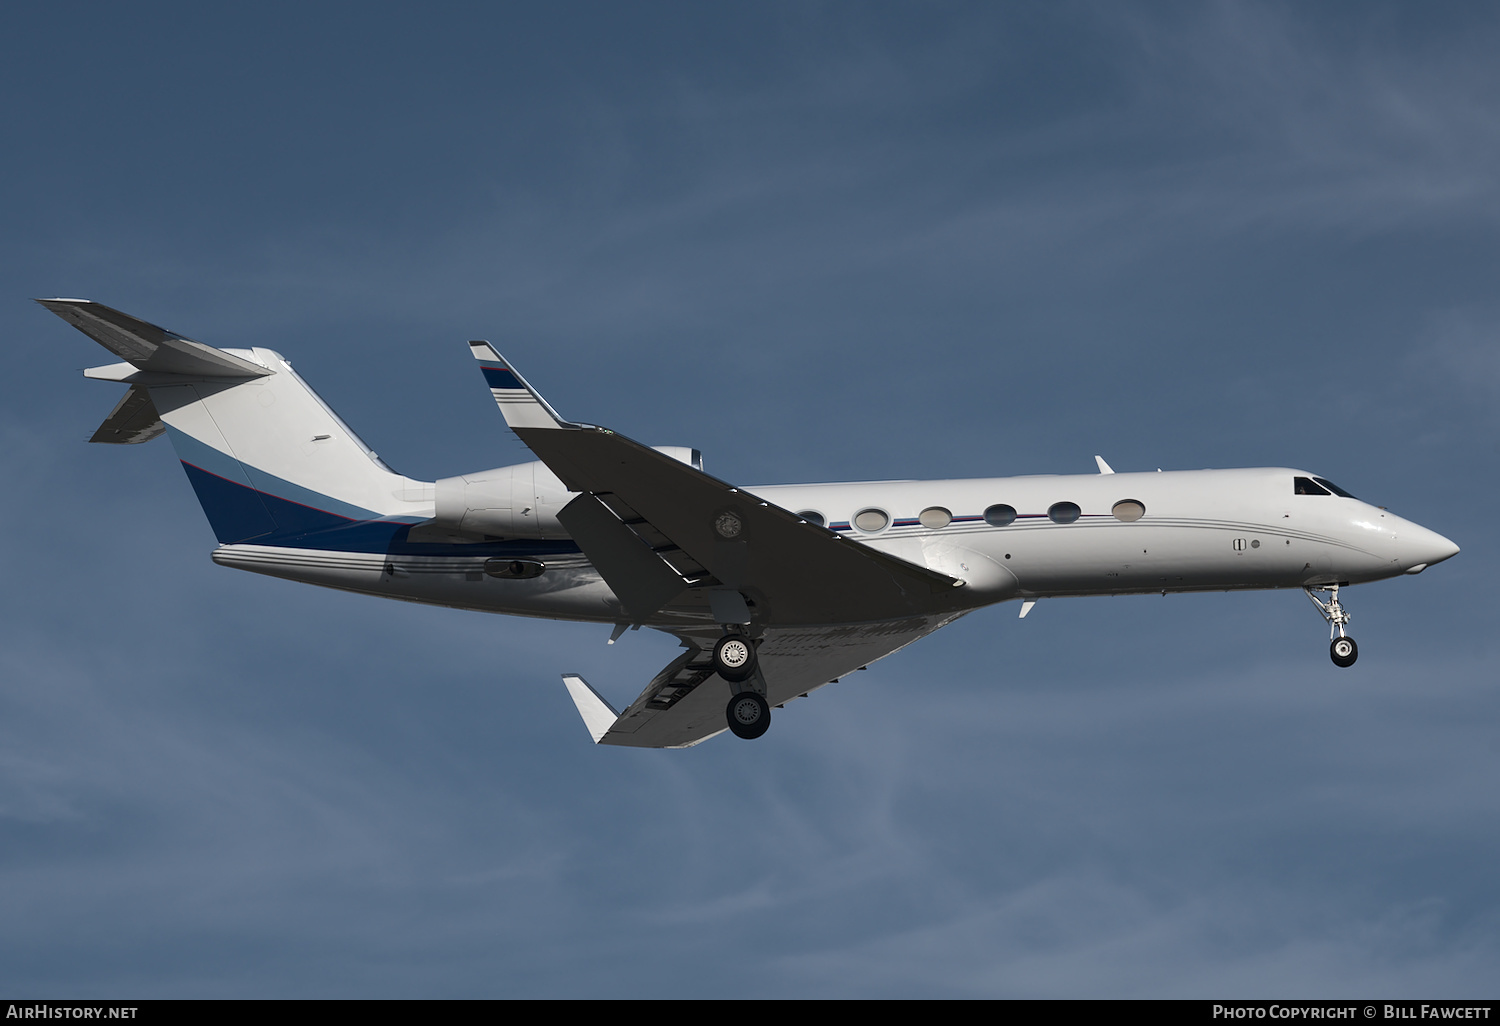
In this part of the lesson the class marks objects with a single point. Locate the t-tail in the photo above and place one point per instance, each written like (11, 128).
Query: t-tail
(270, 462)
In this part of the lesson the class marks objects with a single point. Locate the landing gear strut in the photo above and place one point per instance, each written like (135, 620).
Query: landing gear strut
(748, 712)
(1341, 649)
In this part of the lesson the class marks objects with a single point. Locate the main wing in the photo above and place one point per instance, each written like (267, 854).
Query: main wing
(818, 604)
(790, 572)
(684, 703)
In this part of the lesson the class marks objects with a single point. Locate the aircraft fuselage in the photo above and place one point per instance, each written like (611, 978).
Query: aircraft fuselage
(1133, 533)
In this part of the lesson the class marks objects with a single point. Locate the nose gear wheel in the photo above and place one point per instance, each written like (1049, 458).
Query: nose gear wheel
(1341, 649)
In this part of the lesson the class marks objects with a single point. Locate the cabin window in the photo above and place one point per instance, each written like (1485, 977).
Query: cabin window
(812, 516)
(1129, 510)
(871, 520)
(935, 518)
(1335, 489)
(1307, 486)
(1064, 512)
(1000, 516)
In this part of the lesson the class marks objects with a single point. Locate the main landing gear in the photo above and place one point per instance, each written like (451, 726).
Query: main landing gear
(748, 712)
(1341, 648)
(749, 715)
(734, 657)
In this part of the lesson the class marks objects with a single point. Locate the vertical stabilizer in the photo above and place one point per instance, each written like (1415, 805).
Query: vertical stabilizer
(269, 460)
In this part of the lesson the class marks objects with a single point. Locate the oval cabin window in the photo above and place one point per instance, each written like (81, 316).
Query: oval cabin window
(1000, 516)
(1129, 510)
(1064, 512)
(935, 518)
(871, 520)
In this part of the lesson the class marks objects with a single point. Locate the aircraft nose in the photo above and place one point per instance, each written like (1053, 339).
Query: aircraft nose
(1421, 548)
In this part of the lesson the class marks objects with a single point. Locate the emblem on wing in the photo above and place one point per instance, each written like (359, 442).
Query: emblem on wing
(728, 525)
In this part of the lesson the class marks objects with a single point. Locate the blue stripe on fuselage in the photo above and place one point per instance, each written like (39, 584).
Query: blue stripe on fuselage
(206, 457)
(230, 505)
(235, 512)
(281, 513)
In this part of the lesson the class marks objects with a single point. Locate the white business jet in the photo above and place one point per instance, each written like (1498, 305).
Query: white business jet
(773, 591)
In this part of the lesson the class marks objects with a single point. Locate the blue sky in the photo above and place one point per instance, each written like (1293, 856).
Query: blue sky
(819, 242)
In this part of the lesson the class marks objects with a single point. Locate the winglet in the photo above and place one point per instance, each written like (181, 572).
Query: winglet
(519, 403)
(598, 715)
(1104, 468)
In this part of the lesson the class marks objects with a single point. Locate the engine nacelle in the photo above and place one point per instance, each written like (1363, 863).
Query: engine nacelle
(516, 502)
(508, 502)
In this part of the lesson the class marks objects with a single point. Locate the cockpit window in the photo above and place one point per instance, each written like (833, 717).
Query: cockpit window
(1306, 486)
(1335, 489)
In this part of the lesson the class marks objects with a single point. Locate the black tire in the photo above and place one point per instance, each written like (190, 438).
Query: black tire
(1343, 651)
(748, 714)
(734, 658)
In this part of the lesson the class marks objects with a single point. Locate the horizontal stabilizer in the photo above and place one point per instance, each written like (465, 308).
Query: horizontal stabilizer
(598, 715)
(149, 347)
(132, 421)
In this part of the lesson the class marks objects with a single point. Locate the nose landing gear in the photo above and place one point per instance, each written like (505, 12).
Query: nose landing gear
(1341, 649)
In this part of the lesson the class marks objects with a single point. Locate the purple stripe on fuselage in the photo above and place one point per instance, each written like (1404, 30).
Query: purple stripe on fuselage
(845, 526)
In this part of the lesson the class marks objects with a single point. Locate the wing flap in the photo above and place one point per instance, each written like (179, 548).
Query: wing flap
(634, 572)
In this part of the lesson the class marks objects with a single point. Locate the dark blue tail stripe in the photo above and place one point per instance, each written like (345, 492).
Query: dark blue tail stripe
(206, 457)
(241, 514)
(235, 512)
(500, 377)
